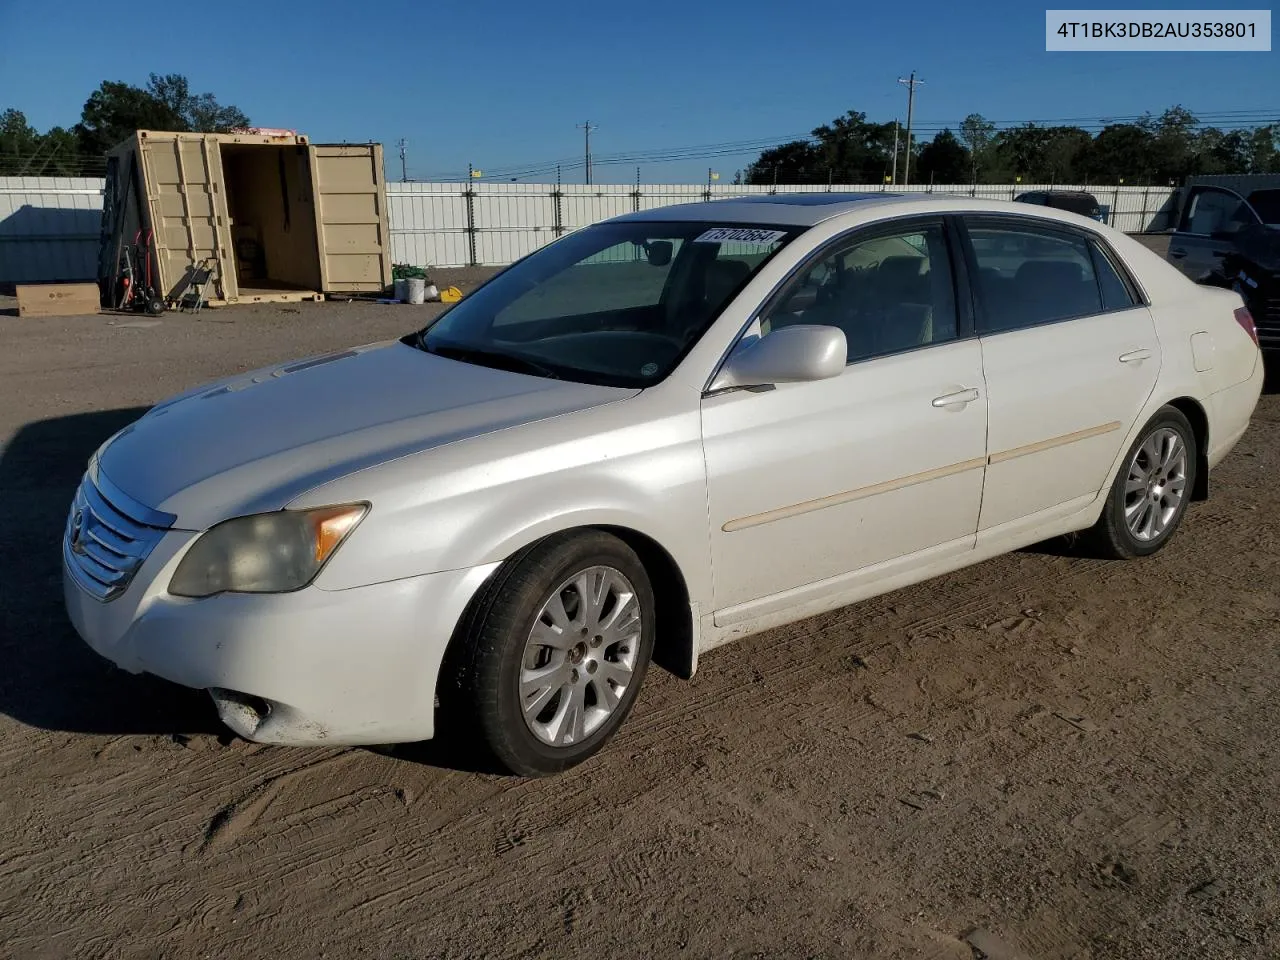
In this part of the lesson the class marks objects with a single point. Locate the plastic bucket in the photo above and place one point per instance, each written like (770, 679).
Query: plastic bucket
(401, 290)
(433, 292)
(417, 290)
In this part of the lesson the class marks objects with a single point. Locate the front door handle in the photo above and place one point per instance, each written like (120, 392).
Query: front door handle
(1135, 356)
(957, 399)
(1177, 254)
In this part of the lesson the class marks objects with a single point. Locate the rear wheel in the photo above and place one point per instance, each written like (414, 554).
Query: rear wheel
(1151, 490)
(555, 651)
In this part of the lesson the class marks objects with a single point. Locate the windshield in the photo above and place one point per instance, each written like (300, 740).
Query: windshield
(617, 303)
(1267, 205)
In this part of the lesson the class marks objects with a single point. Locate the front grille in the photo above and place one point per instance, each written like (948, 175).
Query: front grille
(103, 544)
(1268, 312)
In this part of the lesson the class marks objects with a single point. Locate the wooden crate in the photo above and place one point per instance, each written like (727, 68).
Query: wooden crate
(57, 299)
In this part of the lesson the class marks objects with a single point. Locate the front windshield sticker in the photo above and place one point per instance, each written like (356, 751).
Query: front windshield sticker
(740, 235)
(648, 370)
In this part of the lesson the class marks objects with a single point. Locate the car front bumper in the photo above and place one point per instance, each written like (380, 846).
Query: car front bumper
(356, 666)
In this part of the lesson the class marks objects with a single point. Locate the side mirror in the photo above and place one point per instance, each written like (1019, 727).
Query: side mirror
(658, 252)
(786, 355)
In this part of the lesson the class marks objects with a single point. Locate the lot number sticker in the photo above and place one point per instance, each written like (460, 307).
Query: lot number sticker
(740, 235)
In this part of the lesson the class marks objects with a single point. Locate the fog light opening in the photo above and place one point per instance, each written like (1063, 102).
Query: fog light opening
(242, 712)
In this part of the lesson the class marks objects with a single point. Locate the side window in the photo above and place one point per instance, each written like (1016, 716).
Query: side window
(887, 293)
(1115, 292)
(1028, 276)
(1213, 211)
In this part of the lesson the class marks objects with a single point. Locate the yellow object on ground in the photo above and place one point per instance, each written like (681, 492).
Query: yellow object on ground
(450, 295)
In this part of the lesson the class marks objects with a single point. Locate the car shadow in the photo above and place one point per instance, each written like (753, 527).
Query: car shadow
(51, 680)
(1271, 385)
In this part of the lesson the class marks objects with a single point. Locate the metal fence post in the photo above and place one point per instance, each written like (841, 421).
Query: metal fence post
(556, 211)
(471, 222)
(1115, 206)
(1146, 195)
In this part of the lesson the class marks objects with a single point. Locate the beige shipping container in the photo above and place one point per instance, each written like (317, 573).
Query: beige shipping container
(273, 217)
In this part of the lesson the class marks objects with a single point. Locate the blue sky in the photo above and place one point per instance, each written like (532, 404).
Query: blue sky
(502, 85)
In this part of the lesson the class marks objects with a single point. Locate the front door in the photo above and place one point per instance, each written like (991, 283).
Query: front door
(810, 482)
(1070, 356)
(1203, 239)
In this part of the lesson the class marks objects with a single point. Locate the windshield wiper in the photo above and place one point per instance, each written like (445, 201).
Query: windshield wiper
(514, 362)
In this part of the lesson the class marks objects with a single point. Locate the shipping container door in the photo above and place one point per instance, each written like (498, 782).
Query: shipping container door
(184, 184)
(351, 209)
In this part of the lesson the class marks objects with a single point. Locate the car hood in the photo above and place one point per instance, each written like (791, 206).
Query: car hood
(257, 440)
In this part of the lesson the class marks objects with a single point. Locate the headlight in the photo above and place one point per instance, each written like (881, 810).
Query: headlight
(265, 553)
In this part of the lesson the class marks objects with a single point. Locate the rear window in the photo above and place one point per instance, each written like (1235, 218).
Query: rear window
(1028, 276)
(1084, 205)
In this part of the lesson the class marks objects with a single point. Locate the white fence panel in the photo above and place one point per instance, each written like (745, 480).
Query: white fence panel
(49, 228)
(49, 225)
(428, 223)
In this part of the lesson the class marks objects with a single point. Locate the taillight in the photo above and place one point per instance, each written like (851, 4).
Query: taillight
(1245, 319)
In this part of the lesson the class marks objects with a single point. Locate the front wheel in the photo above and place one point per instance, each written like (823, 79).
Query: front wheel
(555, 650)
(1151, 491)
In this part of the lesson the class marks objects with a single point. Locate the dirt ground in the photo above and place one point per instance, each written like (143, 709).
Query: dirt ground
(1041, 757)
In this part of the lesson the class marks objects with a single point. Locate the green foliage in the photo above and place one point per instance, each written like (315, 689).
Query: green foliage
(943, 160)
(407, 271)
(1157, 150)
(110, 114)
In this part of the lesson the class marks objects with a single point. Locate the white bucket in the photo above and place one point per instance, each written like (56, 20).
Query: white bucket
(401, 290)
(417, 290)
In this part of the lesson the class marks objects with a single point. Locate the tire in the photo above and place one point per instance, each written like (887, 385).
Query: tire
(155, 306)
(1139, 521)
(582, 683)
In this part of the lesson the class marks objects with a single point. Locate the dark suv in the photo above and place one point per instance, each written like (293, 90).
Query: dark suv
(1076, 201)
(1228, 235)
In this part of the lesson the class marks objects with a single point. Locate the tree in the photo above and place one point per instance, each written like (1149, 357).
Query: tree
(943, 160)
(794, 162)
(115, 110)
(1021, 152)
(1174, 145)
(1122, 151)
(1263, 154)
(1065, 153)
(976, 133)
(18, 140)
(199, 112)
(851, 150)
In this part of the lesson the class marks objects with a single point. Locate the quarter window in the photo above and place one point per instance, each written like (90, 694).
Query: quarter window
(1115, 292)
(1028, 276)
(887, 293)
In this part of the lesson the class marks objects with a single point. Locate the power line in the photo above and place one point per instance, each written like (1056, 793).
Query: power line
(1237, 119)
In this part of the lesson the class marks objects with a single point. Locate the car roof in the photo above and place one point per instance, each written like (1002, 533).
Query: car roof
(811, 209)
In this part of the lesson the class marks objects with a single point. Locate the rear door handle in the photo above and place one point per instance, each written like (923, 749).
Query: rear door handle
(957, 399)
(1135, 356)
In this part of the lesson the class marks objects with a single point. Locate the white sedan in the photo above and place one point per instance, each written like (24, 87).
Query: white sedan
(652, 436)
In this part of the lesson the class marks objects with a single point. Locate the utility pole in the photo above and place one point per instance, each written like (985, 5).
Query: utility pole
(404, 170)
(911, 100)
(894, 175)
(586, 129)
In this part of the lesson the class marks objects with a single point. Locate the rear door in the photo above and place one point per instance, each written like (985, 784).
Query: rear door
(351, 213)
(1203, 239)
(1070, 356)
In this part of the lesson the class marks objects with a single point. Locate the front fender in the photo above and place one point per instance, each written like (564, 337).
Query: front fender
(480, 501)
